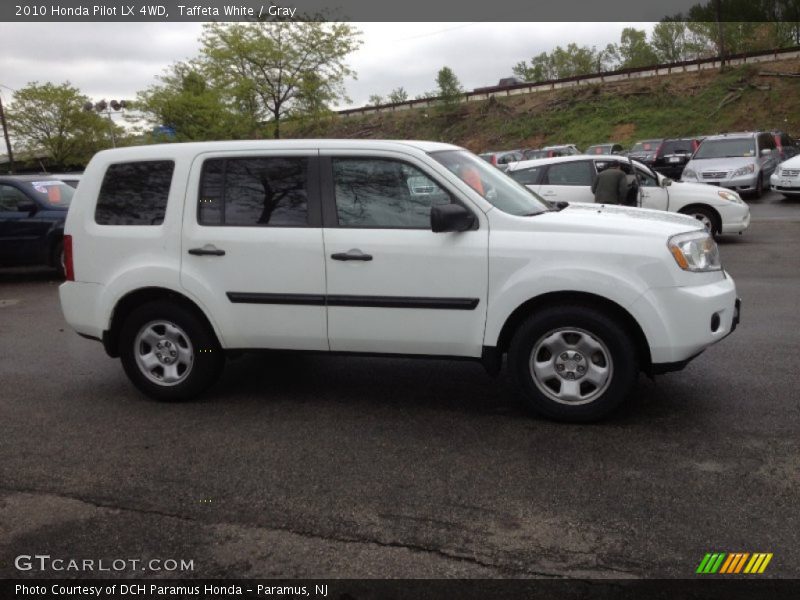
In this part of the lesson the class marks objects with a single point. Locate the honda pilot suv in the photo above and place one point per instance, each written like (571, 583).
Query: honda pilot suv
(738, 161)
(180, 254)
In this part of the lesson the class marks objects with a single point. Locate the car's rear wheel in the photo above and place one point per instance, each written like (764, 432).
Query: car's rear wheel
(706, 216)
(168, 352)
(573, 363)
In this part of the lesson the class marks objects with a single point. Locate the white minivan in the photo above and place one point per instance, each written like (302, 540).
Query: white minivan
(178, 254)
(569, 179)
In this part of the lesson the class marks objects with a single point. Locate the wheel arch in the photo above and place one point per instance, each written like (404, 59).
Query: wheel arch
(707, 207)
(136, 298)
(589, 300)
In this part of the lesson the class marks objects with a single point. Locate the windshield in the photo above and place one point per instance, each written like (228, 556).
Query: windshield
(739, 147)
(491, 183)
(54, 193)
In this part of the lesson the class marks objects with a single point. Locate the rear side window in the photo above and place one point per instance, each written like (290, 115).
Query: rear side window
(571, 173)
(254, 192)
(134, 193)
(529, 176)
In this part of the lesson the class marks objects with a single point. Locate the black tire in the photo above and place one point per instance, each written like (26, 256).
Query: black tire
(759, 187)
(705, 215)
(195, 339)
(597, 330)
(57, 258)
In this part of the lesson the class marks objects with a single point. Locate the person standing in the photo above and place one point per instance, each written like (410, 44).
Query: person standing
(611, 185)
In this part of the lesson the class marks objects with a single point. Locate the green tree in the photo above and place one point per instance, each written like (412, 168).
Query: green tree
(375, 100)
(265, 66)
(634, 51)
(449, 88)
(566, 62)
(52, 118)
(398, 95)
(185, 102)
(670, 43)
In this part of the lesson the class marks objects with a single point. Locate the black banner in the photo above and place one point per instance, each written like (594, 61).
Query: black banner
(401, 11)
(398, 589)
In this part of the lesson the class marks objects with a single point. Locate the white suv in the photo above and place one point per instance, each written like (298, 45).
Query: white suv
(179, 253)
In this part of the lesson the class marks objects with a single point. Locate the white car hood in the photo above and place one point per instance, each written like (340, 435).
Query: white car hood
(607, 218)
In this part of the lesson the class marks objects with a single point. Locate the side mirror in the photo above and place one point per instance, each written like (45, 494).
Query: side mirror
(451, 217)
(27, 206)
(666, 182)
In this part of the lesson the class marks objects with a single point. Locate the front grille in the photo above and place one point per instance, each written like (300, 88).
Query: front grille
(790, 172)
(715, 174)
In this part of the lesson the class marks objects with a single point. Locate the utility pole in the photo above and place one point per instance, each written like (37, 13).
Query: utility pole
(5, 135)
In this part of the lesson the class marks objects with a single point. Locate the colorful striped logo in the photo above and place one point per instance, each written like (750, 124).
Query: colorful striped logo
(733, 563)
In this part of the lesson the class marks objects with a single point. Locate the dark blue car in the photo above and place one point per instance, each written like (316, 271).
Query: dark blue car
(32, 213)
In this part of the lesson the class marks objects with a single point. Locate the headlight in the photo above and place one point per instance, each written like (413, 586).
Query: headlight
(695, 251)
(730, 196)
(746, 170)
(688, 173)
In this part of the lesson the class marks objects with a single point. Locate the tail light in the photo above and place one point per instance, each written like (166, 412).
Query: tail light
(69, 269)
(658, 151)
(494, 159)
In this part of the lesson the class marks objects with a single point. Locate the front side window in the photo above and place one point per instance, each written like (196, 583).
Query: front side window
(570, 173)
(384, 194)
(254, 191)
(10, 197)
(134, 193)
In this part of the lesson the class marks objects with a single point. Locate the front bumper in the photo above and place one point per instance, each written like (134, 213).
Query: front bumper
(785, 185)
(741, 183)
(735, 217)
(680, 322)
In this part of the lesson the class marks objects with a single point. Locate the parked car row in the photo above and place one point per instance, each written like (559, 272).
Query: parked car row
(569, 179)
(743, 162)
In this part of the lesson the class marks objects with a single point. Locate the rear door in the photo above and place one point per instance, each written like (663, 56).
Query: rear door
(394, 286)
(568, 181)
(252, 247)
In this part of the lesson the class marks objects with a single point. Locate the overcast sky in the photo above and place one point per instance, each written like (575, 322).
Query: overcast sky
(115, 60)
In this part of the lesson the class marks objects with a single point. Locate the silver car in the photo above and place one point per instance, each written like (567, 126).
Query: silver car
(739, 161)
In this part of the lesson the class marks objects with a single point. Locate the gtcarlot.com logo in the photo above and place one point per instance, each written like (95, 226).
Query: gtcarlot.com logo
(734, 563)
(45, 562)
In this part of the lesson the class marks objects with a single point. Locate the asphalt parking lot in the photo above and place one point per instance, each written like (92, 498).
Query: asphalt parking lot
(313, 466)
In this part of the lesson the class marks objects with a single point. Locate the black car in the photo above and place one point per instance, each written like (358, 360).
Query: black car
(32, 213)
(645, 151)
(673, 154)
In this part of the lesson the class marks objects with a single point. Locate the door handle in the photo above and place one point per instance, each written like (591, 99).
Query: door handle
(207, 250)
(548, 193)
(354, 254)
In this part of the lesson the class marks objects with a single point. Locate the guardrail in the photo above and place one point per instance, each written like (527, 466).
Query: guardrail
(686, 66)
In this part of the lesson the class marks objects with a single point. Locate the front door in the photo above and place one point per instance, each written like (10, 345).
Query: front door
(252, 248)
(394, 286)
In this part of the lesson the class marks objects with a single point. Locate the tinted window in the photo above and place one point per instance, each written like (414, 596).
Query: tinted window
(677, 147)
(10, 197)
(529, 176)
(571, 173)
(134, 193)
(383, 193)
(257, 191)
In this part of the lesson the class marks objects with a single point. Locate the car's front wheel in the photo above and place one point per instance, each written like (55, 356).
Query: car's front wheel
(168, 352)
(573, 363)
(707, 217)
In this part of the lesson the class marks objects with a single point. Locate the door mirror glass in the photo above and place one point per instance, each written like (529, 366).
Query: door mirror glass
(451, 217)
